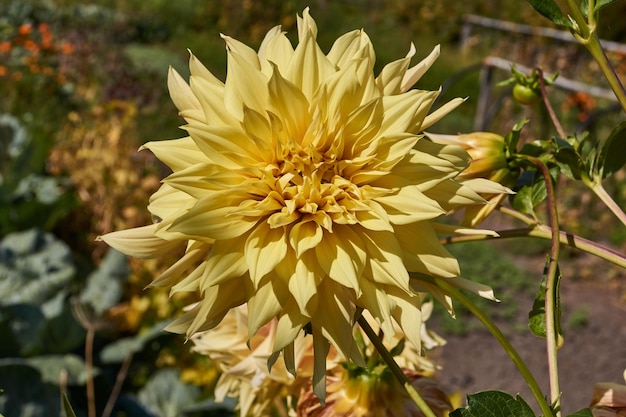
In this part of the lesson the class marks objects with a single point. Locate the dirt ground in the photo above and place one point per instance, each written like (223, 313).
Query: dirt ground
(594, 311)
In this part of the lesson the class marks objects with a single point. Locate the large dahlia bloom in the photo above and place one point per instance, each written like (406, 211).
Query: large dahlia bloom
(305, 189)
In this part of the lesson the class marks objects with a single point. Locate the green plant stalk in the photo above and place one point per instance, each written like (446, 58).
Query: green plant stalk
(588, 37)
(583, 29)
(395, 368)
(504, 342)
(544, 232)
(551, 286)
(595, 48)
(598, 189)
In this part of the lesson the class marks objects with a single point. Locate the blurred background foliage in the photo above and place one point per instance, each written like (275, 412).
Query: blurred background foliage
(83, 84)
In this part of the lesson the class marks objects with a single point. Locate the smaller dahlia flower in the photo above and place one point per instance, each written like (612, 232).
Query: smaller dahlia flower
(373, 392)
(609, 400)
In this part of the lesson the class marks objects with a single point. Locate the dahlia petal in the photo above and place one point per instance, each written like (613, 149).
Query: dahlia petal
(210, 218)
(195, 252)
(414, 73)
(215, 303)
(176, 153)
(385, 257)
(320, 349)
(423, 252)
(289, 326)
(182, 96)
(211, 98)
(408, 315)
(484, 186)
(191, 283)
(341, 256)
(225, 145)
(309, 67)
(275, 48)
(453, 229)
(438, 114)
(335, 316)
(352, 45)
(198, 70)
(374, 298)
(246, 86)
(265, 303)
(389, 81)
(303, 283)
(225, 261)
(289, 104)
(410, 205)
(405, 112)
(264, 249)
(242, 50)
(304, 236)
(139, 242)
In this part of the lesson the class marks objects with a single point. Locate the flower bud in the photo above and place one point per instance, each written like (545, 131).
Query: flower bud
(485, 148)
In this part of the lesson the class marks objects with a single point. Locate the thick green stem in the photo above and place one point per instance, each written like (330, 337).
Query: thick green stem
(395, 368)
(595, 48)
(598, 189)
(504, 342)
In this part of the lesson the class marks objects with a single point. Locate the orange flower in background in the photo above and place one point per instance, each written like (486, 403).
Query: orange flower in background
(5, 47)
(25, 29)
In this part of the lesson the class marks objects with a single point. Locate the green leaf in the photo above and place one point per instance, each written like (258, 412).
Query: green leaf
(570, 162)
(537, 316)
(613, 153)
(119, 350)
(494, 404)
(51, 367)
(600, 4)
(25, 394)
(34, 267)
(585, 412)
(104, 286)
(166, 395)
(551, 10)
(67, 407)
(531, 195)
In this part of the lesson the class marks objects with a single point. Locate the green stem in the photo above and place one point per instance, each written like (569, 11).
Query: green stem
(544, 232)
(583, 29)
(503, 340)
(91, 392)
(598, 189)
(551, 286)
(595, 48)
(395, 368)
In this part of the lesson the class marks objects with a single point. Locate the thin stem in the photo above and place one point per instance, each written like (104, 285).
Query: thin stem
(546, 102)
(551, 286)
(119, 381)
(395, 368)
(598, 189)
(504, 342)
(91, 394)
(544, 232)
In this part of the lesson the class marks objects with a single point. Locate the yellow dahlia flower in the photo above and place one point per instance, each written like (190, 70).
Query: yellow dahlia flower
(305, 190)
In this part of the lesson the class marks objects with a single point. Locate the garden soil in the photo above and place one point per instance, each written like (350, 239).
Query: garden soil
(593, 298)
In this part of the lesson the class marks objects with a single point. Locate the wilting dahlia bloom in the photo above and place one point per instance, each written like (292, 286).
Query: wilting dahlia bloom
(305, 190)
